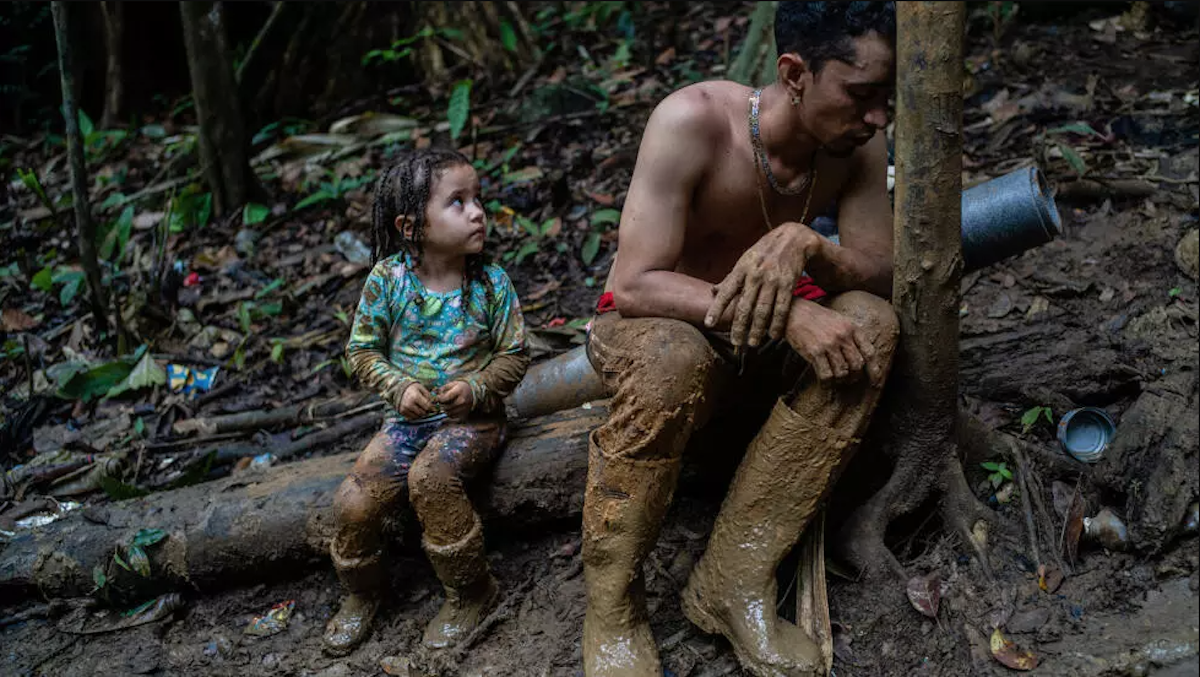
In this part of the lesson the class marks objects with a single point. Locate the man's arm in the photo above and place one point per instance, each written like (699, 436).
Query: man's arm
(864, 258)
(677, 147)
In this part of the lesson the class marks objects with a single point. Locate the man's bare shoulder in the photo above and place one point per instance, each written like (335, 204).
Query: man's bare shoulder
(699, 112)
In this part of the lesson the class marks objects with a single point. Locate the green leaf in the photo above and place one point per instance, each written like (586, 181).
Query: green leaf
(990, 465)
(138, 560)
(145, 538)
(317, 197)
(1073, 158)
(996, 479)
(85, 124)
(118, 235)
(277, 352)
(529, 226)
(146, 374)
(30, 178)
(98, 576)
(96, 381)
(120, 491)
(1175, 291)
(1081, 128)
(44, 279)
(546, 226)
(139, 427)
(275, 284)
(1049, 415)
(606, 216)
(1005, 472)
(71, 284)
(120, 561)
(508, 37)
(269, 309)
(203, 209)
(525, 250)
(460, 107)
(243, 315)
(591, 247)
(254, 213)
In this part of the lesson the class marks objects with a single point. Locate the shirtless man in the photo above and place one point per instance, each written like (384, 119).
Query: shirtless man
(706, 316)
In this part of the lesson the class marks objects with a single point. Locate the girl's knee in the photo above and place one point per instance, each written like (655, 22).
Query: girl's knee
(353, 504)
(431, 476)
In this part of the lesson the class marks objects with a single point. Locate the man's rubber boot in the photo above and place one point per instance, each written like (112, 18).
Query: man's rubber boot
(363, 578)
(776, 492)
(471, 590)
(622, 514)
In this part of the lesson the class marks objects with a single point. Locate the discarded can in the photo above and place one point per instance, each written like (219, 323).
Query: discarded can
(1085, 433)
(1106, 529)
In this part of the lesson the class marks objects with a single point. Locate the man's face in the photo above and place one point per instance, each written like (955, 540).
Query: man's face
(848, 102)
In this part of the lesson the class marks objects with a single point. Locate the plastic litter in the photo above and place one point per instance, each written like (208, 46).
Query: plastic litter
(273, 622)
(349, 245)
(1107, 529)
(190, 382)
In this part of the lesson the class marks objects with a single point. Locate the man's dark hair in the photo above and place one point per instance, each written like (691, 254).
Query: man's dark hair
(821, 31)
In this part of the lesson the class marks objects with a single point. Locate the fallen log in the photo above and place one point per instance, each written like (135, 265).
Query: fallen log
(259, 524)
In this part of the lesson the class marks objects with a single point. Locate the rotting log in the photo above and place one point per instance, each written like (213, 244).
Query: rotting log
(261, 525)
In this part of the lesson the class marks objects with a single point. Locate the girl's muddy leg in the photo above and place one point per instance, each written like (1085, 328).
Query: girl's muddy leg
(362, 505)
(453, 533)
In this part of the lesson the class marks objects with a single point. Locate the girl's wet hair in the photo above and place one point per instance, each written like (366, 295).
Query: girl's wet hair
(404, 189)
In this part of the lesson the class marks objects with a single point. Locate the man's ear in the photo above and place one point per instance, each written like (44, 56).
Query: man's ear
(794, 74)
(405, 226)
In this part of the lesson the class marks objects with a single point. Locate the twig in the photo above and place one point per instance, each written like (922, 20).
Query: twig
(1022, 471)
(252, 51)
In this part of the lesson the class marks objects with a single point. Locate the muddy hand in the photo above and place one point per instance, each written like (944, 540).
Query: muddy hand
(837, 349)
(764, 277)
(456, 399)
(416, 402)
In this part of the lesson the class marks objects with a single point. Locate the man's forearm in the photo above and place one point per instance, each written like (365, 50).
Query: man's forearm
(839, 269)
(664, 293)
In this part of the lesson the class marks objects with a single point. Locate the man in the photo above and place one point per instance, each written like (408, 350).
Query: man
(713, 254)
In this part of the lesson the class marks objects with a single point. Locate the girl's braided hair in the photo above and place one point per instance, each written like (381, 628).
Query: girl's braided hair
(404, 189)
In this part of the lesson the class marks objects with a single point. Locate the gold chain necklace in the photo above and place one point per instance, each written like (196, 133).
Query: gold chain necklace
(760, 160)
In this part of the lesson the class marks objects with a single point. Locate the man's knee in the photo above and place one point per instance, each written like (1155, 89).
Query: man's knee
(873, 315)
(673, 365)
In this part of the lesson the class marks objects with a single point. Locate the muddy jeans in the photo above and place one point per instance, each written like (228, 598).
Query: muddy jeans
(427, 463)
(669, 378)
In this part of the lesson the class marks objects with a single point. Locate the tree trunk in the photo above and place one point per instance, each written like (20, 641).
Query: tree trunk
(224, 149)
(85, 228)
(114, 78)
(921, 402)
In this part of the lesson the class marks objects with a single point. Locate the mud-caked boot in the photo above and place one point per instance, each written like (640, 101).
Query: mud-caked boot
(363, 579)
(774, 495)
(622, 514)
(471, 590)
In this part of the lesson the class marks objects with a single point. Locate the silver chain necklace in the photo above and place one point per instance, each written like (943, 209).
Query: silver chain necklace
(761, 154)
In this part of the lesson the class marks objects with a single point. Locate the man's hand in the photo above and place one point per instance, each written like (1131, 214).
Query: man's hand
(415, 402)
(764, 277)
(456, 399)
(835, 347)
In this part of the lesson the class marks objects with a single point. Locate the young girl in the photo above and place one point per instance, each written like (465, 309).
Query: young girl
(439, 335)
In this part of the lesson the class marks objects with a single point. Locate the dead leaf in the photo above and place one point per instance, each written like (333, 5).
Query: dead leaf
(557, 76)
(925, 593)
(543, 290)
(604, 199)
(1073, 528)
(722, 24)
(1049, 579)
(667, 56)
(1009, 655)
(14, 320)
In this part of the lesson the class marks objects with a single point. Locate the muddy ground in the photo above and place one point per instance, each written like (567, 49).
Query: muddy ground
(1104, 316)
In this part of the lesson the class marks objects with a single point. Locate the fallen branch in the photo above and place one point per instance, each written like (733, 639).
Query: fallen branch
(1088, 189)
(293, 415)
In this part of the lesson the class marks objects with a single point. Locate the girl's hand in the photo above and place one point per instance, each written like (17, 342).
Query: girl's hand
(456, 399)
(416, 402)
